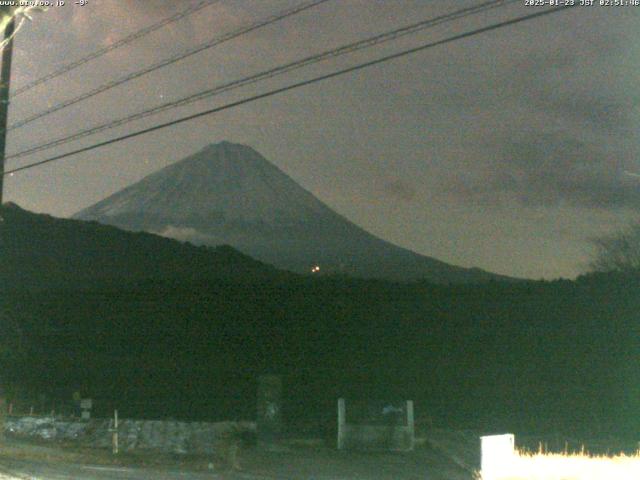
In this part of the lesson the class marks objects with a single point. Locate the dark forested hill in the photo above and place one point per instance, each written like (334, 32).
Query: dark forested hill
(39, 250)
(524, 357)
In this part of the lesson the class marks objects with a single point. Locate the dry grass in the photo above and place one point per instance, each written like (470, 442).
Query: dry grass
(556, 466)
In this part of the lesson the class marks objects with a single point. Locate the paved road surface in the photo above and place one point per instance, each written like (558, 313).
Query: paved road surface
(32, 470)
(23, 470)
(306, 464)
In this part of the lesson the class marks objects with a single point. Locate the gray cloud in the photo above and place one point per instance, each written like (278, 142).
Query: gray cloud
(554, 169)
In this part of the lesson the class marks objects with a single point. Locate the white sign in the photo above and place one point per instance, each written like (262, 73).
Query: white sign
(498, 452)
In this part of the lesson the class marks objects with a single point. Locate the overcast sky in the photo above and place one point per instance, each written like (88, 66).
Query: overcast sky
(506, 150)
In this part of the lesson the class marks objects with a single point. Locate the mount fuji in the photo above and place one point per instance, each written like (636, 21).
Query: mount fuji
(230, 194)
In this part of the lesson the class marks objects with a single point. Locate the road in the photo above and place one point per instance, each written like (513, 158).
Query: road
(22, 461)
(38, 470)
(18, 469)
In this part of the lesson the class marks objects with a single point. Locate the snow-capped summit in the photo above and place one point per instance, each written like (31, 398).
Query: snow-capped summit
(222, 182)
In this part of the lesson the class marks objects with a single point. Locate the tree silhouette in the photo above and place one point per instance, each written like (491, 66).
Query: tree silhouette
(619, 251)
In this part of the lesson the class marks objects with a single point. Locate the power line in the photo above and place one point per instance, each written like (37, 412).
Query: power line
(171, 60)
(287, 88)
(120, 43)
(270, 73)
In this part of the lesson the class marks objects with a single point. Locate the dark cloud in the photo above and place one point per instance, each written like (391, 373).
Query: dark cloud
(398, 189)
(150, 7)
(609, 114)
(554, 169)
(560, 125)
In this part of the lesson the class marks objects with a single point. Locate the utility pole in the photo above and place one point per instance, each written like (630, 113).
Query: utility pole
(5, 76)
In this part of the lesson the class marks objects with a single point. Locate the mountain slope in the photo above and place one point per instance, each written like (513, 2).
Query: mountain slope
(39, 250)
(229, 194)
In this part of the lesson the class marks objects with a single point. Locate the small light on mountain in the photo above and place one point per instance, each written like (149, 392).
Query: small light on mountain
(315, 269)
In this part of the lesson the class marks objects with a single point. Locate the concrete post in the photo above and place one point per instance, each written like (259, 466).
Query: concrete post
(341, 422)
(269, 415)
(86, 404)
(114, 438)
(410, 424)
(3, 415)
